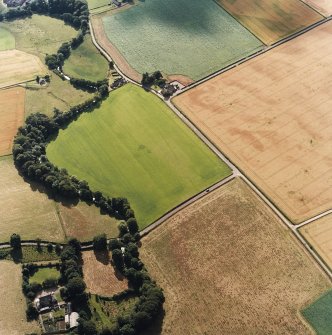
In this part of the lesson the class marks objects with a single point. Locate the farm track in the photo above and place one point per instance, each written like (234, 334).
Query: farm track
(236, 171)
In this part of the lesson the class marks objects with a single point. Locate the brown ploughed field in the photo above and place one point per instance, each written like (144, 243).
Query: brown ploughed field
(228, 266)
(18, 67)
(319, 235)
(11, 116)
(322, 6)
(100, 276)
(272, 117)
(271, 20)
(104, 42)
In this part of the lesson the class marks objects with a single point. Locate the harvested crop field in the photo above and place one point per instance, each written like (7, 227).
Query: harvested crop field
(272, 20)
(11, 117)
(13, 304)
(85, 222)
(17, 67)
(134, 146)
(322, 6)
(177, 37)
(319, 235)
(228, 266)
(100, 276)
(271, 116)
(28, 212)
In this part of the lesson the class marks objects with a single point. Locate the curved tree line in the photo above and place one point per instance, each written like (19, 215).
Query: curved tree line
(29, 153)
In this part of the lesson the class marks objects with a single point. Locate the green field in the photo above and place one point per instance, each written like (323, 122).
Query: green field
(58, 94)
(43, 274)
(7, 40)
(192, 38)
(39, 35)
(86, 62)
(134, 146)
(319, 314)
(98, 3)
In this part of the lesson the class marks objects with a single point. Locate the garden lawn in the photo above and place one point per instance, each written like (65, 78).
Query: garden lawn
(7, 40)
(44, 273)
(86, 62)
(319, 314)
(179, 37)
(134, 146)
(98, 3)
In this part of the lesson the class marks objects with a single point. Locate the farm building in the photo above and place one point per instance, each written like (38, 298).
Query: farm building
(14, 3)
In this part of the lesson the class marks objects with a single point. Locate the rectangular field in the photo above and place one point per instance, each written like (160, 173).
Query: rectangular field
(228, 266)
(13, 304)
(11, 116)
(319, 235)
(100, 276)
(271, 20)
(178, 37)
(322, 6)
(134, 146)
(271, 116)
(17, 67)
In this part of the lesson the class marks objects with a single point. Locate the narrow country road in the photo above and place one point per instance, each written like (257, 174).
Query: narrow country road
(236, 172)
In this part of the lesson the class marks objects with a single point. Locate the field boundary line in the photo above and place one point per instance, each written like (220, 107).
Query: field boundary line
(254, 55)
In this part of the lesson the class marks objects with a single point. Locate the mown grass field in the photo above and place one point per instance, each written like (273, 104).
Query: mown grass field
(86, 62)
(134, 146)
(271, 20)
(39, 35)
(13, 304)
(7, 40)
(11, 116)
(44, 273)
(179, 37)
(318, 314)
(58, 94)
(229, 266)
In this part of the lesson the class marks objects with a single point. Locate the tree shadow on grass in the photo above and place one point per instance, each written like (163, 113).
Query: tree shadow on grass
(16, 255)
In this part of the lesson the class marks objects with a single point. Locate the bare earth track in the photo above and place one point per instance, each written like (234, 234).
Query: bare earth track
(11, 116)
(281, 143)
(237, 271)
(110, 49)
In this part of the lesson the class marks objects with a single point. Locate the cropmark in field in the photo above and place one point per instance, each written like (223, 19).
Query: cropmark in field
(319, 235)
(227, 265)
(134, 146)
(271, 116)
(272, 20)
(322, 6)
(178, 37)
(11, 117)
